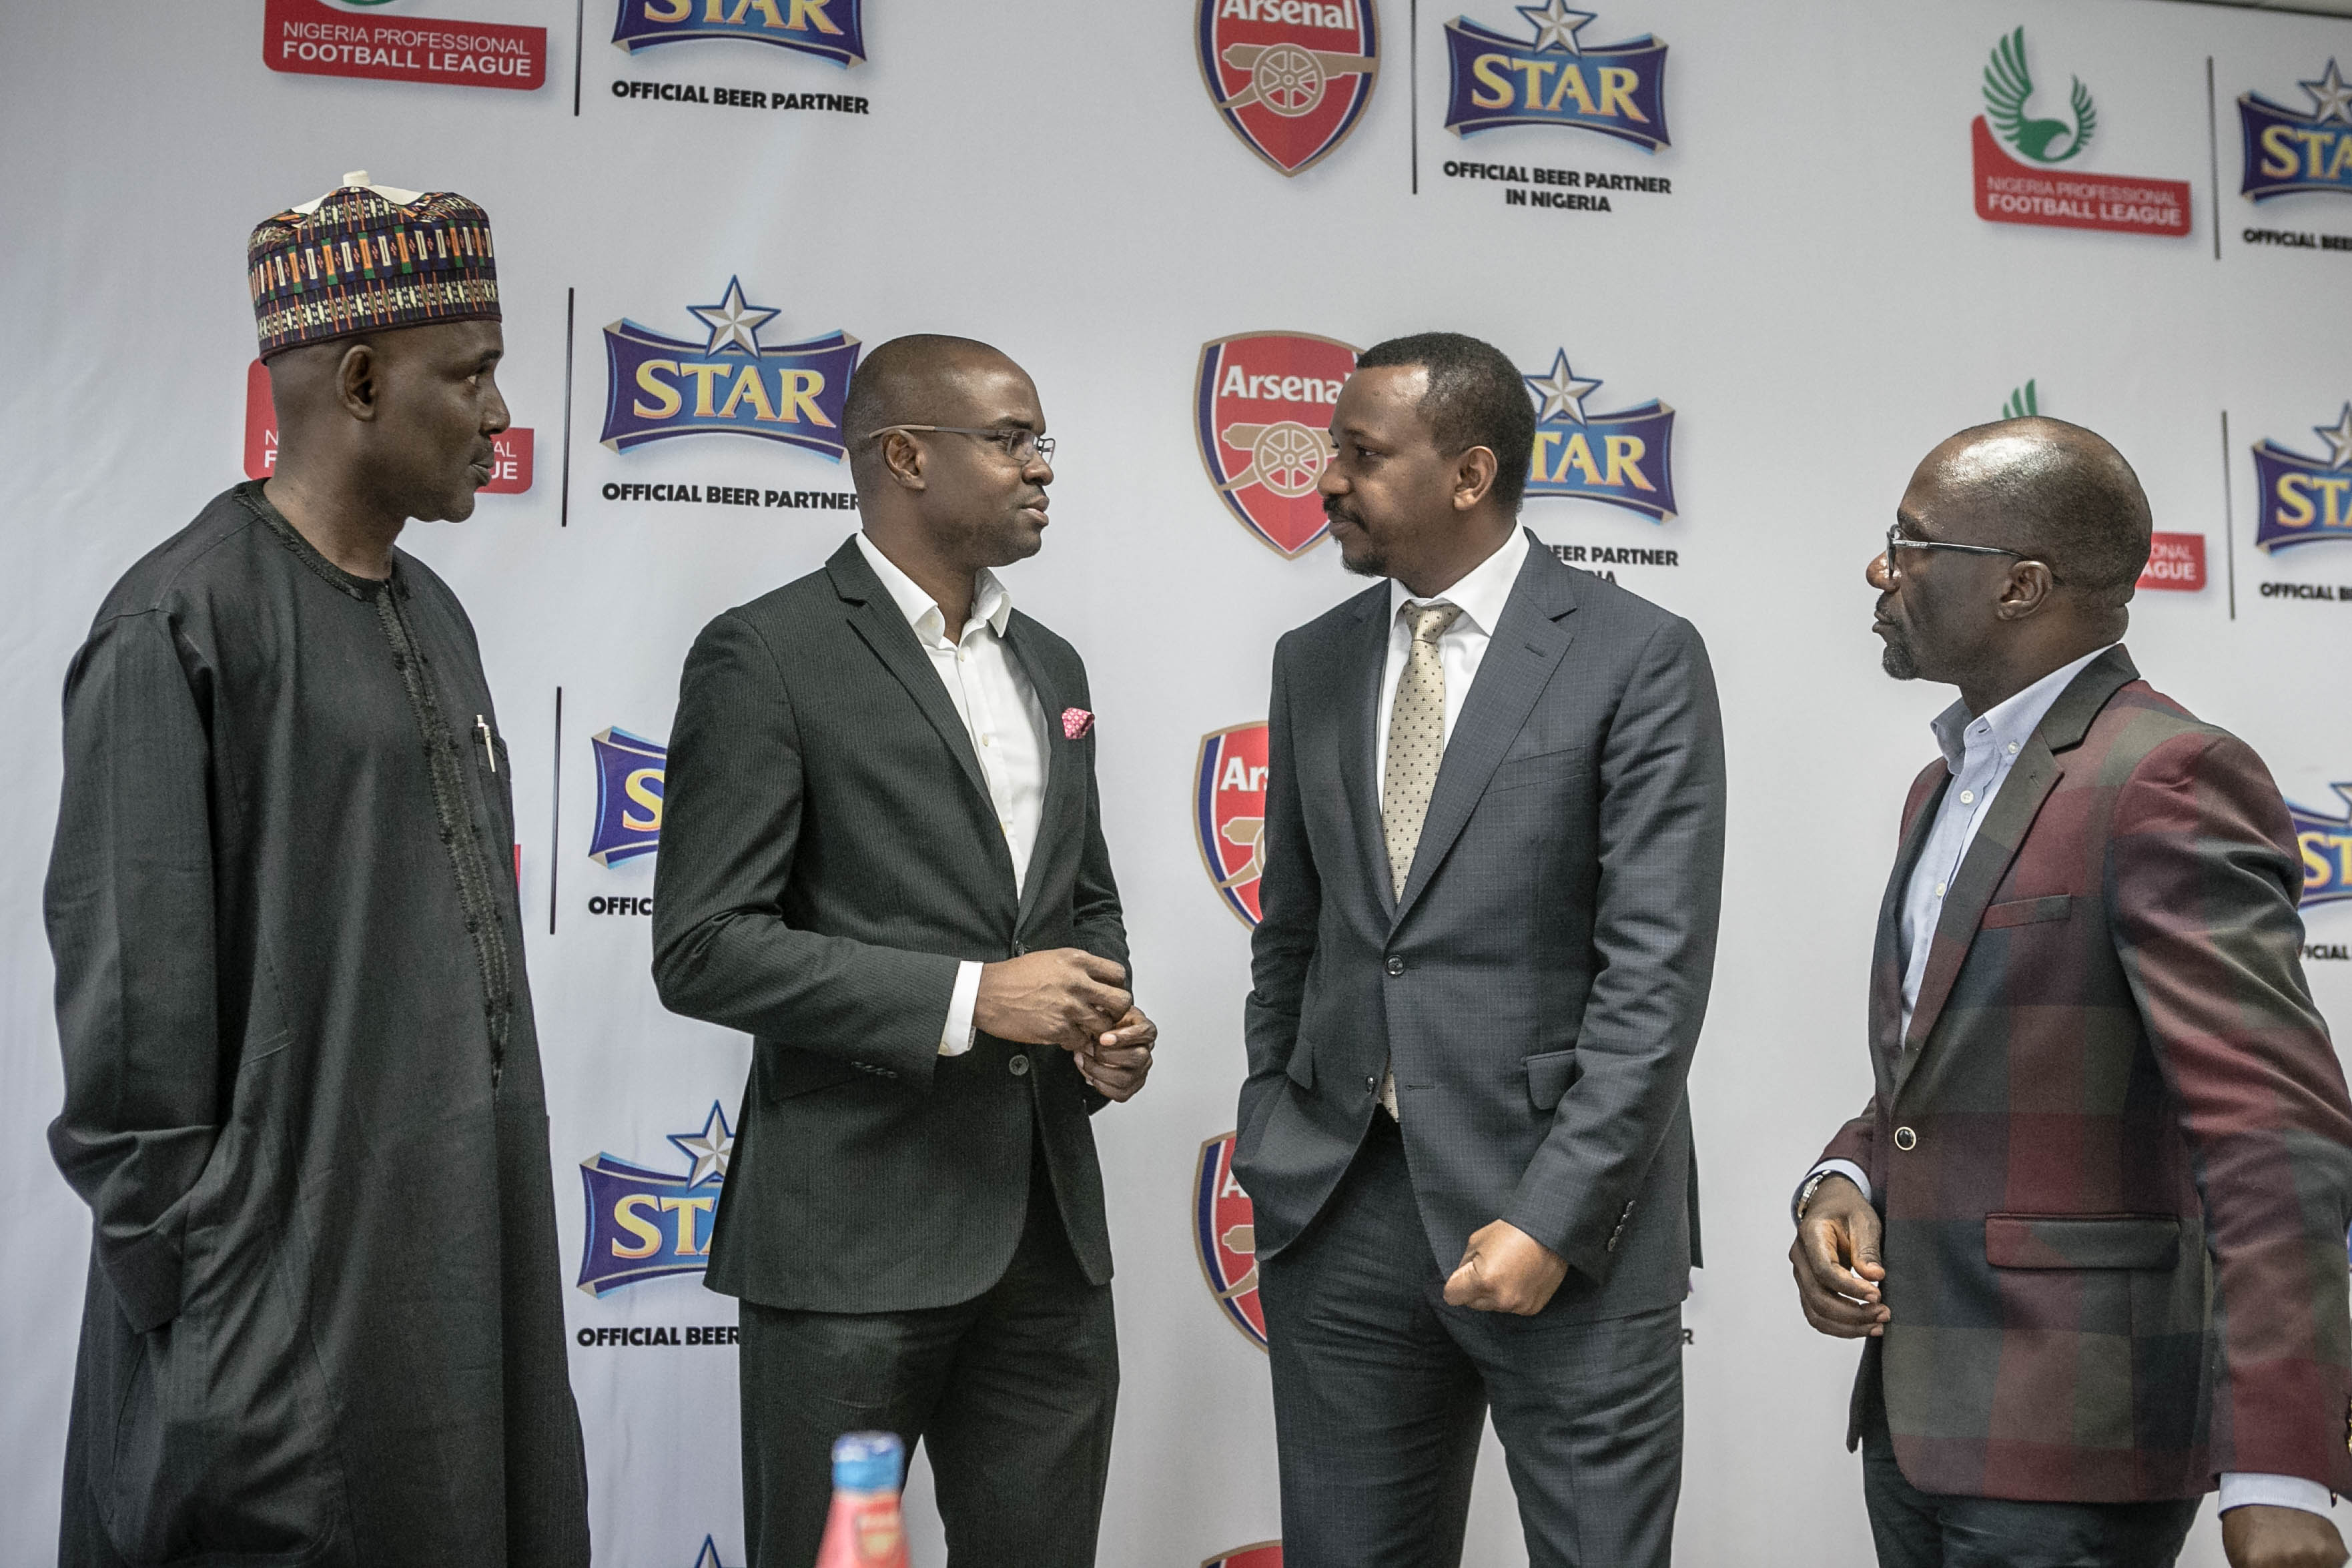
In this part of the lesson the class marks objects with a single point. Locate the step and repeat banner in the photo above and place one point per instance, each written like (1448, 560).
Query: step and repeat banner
(1753, 262)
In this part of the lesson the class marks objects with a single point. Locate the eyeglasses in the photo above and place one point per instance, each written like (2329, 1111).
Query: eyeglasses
(1023, 446)
(1897, 541)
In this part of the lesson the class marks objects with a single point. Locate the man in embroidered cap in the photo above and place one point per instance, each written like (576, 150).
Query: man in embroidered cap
(324, 1321)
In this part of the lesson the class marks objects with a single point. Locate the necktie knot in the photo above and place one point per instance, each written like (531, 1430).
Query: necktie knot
(1429, 621)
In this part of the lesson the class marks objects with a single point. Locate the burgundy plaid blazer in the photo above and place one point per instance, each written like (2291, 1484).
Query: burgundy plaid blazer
(2114, 1151)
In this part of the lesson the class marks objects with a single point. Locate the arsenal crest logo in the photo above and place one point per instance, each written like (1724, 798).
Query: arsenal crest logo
(1265, 1554)
(1229, 814)
(1223, 1230)
(1262, 410)
(1291, 77)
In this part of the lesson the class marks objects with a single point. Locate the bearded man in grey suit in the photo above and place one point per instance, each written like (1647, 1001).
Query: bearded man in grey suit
(1493, 853)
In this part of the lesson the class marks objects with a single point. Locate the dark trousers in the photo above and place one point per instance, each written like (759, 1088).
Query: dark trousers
(1926, 1529)
(1012, 1391)
(1380, 1390)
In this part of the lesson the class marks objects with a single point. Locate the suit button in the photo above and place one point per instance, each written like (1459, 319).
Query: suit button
(1019, 1065)
(1904, 1138)
(1372, 1086)
(1396, 965)
(1019, 949)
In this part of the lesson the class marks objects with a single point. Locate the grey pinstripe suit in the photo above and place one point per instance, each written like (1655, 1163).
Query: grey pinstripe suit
(1539, 988)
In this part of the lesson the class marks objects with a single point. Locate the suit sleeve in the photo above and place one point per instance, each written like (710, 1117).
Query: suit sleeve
(1660, 888)
(2204, 880)
(1290, 901)
(1097, 924)
(733, 795)
(131, 921)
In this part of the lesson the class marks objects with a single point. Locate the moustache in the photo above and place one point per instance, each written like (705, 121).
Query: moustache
(1334, 510)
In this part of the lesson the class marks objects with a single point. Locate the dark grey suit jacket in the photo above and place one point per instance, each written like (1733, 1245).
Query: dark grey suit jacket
(1541, 983)
(829, 854)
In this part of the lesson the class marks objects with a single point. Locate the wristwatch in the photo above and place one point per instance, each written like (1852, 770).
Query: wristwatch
(1812, 1184)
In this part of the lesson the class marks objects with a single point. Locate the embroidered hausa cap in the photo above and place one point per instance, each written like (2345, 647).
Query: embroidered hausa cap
(369, 259)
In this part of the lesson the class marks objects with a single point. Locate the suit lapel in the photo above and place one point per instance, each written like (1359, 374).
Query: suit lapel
(1527, 644)
(1887, 965)
(1355, 731)
(2006, 821)
(874, 617)
(1065, 765)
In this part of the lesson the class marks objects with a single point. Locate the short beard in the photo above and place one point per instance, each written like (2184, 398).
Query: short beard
(1897, 659)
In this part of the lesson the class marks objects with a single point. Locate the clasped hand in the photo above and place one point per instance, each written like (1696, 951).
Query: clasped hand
(1505, 1270)
(1074, 999)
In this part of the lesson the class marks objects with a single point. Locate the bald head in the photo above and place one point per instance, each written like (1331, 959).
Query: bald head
(924, 378)
(2052, 491)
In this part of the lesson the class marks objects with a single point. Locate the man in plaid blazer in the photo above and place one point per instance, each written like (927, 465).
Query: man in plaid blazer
(2091, 1224)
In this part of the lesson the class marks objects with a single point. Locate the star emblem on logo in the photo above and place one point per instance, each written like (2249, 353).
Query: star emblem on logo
(2331, 96)
(733, 324)
(707, 1149)
(709, 1556)
(2338, 437)
(1564, 391)
(1556, 25)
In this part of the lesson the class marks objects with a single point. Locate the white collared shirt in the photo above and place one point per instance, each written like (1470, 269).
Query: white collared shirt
(1481, 595)
(1979, 751)
(1001, 713)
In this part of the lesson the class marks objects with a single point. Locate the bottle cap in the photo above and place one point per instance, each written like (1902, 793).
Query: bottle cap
(867, 1461)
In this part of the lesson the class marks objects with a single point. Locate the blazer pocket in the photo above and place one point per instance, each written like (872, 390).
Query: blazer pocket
(1535, 767)
(1548, 1075)
(2081, 1241)
(2029, 912)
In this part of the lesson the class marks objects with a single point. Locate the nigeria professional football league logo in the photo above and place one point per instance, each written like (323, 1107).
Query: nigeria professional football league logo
(2326, 842)
(1290, 77)
(831, 29)
(2290, 149)
(1555, 78)
(1224, 1234)
(731, 384)
(629, 775)
(1261, 413)
(2303, 499)
(642, 1223)
(2025, 183)
(1229, 814)
(1625, 459)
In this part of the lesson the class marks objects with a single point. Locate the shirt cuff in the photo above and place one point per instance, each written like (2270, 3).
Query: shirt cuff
(1846, 1168)
(957, 1038)
(2240, 1488)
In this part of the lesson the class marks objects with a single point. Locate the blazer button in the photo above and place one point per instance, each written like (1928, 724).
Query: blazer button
(1372, 1086)
(1019, 949)
(1019, 1066)
(1396, 965)
(1905, 1139)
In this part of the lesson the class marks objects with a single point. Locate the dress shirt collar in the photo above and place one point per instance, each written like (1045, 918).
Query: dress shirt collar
(2006, 726)
(1483, 590)
(990, 602)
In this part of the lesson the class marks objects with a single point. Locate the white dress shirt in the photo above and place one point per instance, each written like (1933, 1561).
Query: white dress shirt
(1480, 595)
(1979, 752)
(1001, 713)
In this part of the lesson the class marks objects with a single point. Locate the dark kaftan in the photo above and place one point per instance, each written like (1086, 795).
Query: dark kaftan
(323, 1322)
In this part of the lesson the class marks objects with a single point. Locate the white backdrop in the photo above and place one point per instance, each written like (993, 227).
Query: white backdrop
(1814, 297)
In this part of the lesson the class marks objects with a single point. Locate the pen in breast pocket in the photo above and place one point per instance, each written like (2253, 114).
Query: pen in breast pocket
(489, 750)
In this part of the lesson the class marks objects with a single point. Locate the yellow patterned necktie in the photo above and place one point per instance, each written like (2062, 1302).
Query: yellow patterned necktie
(1417, 747)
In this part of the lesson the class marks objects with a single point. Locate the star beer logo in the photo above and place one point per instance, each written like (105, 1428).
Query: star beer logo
(830, 30)
(629, 776)
(1555, 78)
(1229, 814)
(661, 387)
(1224, 1234)
(1291, 78)
(642, 1224)
(2043, 189)
(2326, 842)
(1262, 412)
(1623, 459)
(2287, 149)
(2305, 499)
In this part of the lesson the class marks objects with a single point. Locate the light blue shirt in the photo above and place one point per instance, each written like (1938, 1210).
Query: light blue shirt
(1979, 751)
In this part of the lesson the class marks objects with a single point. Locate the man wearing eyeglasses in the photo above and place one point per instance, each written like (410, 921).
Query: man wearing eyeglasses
(883, 859)
(2091, 1224)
